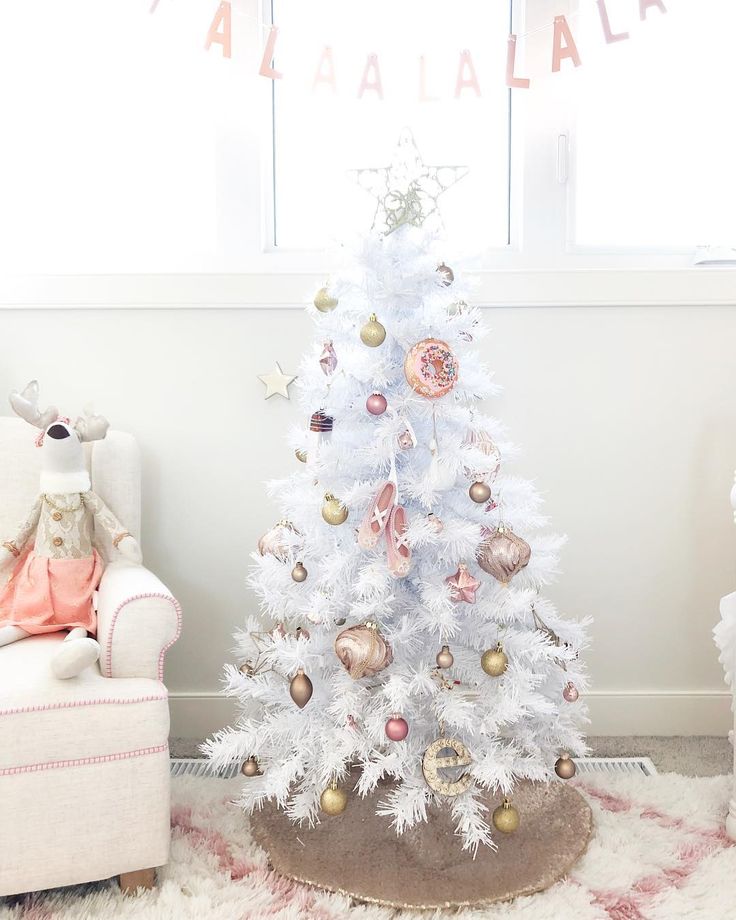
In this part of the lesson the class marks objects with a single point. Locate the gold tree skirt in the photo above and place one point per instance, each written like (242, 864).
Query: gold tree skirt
(359, 854)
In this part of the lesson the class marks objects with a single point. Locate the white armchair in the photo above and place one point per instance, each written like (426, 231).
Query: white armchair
(84, 763)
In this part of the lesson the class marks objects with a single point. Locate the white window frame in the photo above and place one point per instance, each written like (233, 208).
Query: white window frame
(542, 266)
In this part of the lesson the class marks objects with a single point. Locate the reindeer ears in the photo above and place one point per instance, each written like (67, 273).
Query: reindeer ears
(25, 404)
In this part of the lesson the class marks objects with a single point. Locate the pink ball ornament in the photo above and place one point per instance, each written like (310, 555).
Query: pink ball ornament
(397, 728)
(376, 404)
(570, 692)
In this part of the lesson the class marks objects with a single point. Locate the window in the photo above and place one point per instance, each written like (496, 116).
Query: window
(654, 138)
(355, 74)
(130, 149)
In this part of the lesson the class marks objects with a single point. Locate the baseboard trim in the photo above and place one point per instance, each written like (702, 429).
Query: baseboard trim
(612, 712)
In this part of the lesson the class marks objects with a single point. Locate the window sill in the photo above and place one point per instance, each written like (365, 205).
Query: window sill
(701, 286)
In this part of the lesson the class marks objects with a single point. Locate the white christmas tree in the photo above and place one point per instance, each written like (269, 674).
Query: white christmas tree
(403, 635)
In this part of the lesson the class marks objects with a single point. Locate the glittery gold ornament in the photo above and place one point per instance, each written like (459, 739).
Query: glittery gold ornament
(301, 689)
(565, 767)
(503, 554)
(494, 661)
(301, 455)
(333, 800)
(373, 333)
(480, 492)
(299, 573)
(333, 511)
(444, 657)
(506, 818)
(363, 651)
(250, 767)
(323, 301)
(456, 755)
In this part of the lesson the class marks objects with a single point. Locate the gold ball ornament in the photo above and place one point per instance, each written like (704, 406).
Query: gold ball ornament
(494, 661)
(333, 800)
(333, 511)
(323, 301)
(506, 818)
(373, 333)
(299, 573)
(301, 455)
(480, 492)
(301, 689)
(445, 658)
(250, 767)
(565, 767)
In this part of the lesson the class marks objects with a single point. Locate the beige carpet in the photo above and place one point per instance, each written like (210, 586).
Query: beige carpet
(689, 755)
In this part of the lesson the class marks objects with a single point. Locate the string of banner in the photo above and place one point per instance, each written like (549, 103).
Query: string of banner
(564, 48)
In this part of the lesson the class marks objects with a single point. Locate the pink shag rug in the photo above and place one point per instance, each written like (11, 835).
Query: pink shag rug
(659, 852)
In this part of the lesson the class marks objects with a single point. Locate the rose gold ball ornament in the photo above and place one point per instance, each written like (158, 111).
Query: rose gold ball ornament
(333, 800)
(506, 818)
(494, 661)
(301, 455)
(328, 359)
(570, 693)
(373, 333)
(333, 510)
(435, 523)
(363, 651)
(250, 767)
(299, 573)
(279, 541)
(301, 688)
(376, 404)
(480, 492)
(445, 657)
(431, 368)
(323, 301)
(503, 554)
(446, 273)
(565, 767)
(397, 728)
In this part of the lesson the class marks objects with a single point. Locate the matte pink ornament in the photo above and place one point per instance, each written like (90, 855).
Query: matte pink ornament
(397, 728)
(570, 692)
(376, 404)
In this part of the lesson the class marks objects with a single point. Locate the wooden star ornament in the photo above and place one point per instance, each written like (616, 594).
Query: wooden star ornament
(277, 382)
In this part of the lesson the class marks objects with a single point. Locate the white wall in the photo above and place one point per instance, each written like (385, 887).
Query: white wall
(627, 417)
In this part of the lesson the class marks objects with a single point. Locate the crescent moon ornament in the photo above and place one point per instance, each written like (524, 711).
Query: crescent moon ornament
(433, 765)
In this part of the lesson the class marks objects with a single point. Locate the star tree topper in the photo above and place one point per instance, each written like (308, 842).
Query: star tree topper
(406, 192)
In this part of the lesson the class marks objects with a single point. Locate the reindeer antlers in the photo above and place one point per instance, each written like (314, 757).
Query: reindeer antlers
(25, 405)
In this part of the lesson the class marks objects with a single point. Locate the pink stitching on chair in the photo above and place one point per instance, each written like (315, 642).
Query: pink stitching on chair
(73, 704)
(82, 762)
(164, 650)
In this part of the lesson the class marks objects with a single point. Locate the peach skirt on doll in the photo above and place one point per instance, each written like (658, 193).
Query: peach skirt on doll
(45, 595)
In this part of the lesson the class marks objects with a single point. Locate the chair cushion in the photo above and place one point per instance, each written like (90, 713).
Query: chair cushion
(45, 721)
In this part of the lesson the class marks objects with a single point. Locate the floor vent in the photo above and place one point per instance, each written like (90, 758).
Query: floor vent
(614, 766)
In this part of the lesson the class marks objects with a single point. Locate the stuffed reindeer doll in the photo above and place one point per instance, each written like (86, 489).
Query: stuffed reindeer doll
(56, 568)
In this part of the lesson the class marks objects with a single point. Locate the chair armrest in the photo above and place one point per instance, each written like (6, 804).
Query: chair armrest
(138, 620)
